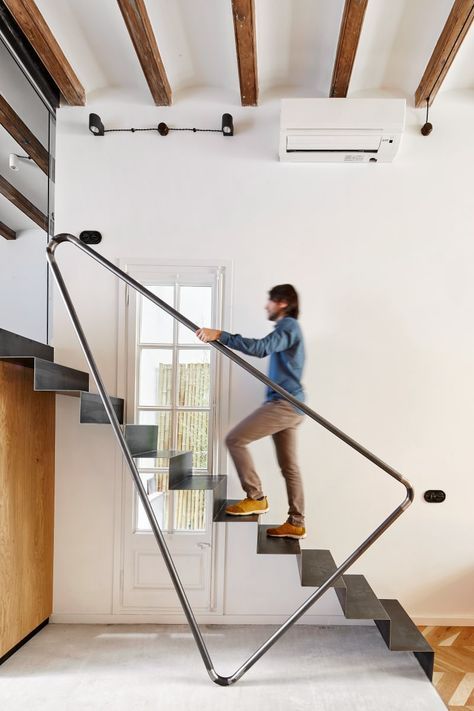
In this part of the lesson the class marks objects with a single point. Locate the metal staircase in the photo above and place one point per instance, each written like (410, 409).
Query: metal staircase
(49, 376)
(317, 568)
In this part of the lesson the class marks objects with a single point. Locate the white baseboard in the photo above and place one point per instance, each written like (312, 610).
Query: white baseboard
(177, 619)
(166, 618)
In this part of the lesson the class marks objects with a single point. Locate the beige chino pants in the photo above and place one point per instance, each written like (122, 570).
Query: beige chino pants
(279, 419)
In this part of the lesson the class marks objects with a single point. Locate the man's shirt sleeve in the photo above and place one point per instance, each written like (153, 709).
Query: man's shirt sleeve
(280, 339)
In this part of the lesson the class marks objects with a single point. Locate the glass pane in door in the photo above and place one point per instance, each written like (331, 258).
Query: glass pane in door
(156, 326)
(193, 434)
(195, 302)
(194, 367)
(156, 377)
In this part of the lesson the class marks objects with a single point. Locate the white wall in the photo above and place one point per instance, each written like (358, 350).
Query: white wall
(382, 257)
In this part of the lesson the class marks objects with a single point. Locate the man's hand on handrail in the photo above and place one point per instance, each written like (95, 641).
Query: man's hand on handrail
(208, 334)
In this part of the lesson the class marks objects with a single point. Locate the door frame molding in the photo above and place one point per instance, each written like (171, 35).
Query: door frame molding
(218, 558)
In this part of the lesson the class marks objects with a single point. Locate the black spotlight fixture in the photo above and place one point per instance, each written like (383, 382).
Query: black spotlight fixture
(90, 237)
(95, 125)
(227, 125)
(427, 126)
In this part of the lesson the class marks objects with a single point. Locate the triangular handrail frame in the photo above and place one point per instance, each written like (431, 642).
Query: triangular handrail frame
(187, 609)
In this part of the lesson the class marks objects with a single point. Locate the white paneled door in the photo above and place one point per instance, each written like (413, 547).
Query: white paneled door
(172, 381)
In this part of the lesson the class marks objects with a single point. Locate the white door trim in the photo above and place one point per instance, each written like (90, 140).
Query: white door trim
(121, 472)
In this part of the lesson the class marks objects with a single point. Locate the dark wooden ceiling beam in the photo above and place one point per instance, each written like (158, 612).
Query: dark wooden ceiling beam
(23, 204)
(20, 132)
(349, 35)
(451, 38)
(6, 231)
(143, 38)
(243, 12)
(33, 25)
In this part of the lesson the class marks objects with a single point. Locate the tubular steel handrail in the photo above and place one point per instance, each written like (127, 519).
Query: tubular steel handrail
(215, 677)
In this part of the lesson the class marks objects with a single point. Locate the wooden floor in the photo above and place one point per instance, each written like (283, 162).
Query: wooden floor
(454, 665)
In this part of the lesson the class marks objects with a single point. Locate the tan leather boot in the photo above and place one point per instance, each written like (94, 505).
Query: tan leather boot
(287, 530)
(246, 507)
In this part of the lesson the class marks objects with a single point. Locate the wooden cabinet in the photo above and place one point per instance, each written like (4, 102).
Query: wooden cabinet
(27, 423)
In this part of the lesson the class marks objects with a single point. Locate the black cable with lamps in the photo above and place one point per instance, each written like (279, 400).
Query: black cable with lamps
(97, 127)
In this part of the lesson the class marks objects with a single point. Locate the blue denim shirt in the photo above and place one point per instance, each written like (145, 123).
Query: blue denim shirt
(285, 347)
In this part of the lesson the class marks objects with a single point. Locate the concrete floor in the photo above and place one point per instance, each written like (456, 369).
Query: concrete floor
(141, 667)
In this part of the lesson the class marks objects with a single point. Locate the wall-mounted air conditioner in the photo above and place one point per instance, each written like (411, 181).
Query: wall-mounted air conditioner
(341, 130)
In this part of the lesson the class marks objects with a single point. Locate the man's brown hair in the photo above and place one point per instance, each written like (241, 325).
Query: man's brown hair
(286, 292)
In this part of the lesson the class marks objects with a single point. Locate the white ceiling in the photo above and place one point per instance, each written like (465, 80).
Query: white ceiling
(296, 44)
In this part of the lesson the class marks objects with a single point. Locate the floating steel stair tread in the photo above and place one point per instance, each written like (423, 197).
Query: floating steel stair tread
(276, 546)
(11, 344)
(358, 600)
(222, 517)
(400, 632)
(52, 377)
(92, 410)
(198, 482)
(141, 439)
(316, 566)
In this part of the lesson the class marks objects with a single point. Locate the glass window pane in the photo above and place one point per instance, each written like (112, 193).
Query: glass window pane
(195, 302)
(189, 511)
(156, 377)
(156, 326)
(193, 434)
(155, 481)
(162, 418)
(194, 371)
(160, 505)
(142, 518)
